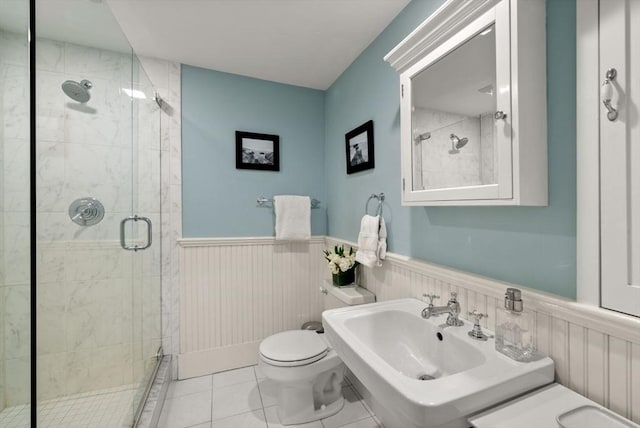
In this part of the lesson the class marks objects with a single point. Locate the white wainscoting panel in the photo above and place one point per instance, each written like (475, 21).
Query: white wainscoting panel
(596, 351)
(234, 292)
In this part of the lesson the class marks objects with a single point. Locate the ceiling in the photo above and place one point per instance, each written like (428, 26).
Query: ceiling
(300, 42)
(84, 22)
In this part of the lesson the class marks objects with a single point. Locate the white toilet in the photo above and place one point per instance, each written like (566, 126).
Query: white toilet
(307, 372)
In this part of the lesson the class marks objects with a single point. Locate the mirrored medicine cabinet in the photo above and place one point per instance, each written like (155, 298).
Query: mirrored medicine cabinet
(473, 105)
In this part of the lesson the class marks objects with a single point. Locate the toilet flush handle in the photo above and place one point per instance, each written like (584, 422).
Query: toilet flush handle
(324, 291)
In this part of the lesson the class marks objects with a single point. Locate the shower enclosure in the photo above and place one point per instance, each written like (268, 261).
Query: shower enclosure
(80, 218)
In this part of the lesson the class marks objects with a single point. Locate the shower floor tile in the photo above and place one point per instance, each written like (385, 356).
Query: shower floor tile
(108, 408)
(243, 398)
(14, 417)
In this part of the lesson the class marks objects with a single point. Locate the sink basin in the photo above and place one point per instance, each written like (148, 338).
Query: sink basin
(409, 353)
(420, 373)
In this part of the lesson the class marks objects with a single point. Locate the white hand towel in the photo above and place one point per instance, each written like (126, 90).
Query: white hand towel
(372, 244)
(382, 242)
(293, 217)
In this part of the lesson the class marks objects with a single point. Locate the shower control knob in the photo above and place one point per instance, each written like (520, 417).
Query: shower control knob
(500, 115)
(86, 211)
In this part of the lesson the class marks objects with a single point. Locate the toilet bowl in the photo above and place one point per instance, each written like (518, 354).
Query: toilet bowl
(307, 372)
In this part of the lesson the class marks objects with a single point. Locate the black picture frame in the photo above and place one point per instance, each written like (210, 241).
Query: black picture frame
(359, 148)
(257, 151)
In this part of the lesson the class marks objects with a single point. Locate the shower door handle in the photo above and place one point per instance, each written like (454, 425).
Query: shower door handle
(135, 218)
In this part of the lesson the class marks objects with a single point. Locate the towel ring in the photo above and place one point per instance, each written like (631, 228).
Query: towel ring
(380, 199)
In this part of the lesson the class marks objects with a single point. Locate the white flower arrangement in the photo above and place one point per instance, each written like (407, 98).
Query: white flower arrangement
(338, 261)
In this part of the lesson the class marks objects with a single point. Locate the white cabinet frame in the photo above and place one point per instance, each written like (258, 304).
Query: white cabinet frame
(587, 153)
(521, 63)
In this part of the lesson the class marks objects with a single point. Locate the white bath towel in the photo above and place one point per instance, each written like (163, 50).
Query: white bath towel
(372, 241)
(293, 217)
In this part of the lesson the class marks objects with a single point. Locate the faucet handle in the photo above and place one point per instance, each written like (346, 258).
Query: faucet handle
(431, 297)
(476, 332)
(454, 296)
(477, 316)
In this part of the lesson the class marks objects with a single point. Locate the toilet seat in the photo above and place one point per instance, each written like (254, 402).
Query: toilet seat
(293, 348)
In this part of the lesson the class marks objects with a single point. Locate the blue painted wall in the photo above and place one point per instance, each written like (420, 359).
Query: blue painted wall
(219, 200)
(534, 247)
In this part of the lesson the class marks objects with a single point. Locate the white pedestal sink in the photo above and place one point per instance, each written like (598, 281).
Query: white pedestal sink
(390, 348)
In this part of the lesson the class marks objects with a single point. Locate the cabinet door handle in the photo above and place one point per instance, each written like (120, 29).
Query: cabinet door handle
(500, 115)
(606, 93)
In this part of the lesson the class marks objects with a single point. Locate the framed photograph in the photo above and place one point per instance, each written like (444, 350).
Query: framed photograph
(257, 151)
(359, 144)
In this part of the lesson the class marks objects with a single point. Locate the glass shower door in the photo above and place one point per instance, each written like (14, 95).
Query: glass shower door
(98, 164)
(147, 232)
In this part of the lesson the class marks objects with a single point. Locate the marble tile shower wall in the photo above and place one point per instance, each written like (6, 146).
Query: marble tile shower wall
(146, 199)
(5, 111)
(3, 120)
(2, 268)
(96, 303)
(85, 288)
(166, 78)
(435, 167)
(14, 223)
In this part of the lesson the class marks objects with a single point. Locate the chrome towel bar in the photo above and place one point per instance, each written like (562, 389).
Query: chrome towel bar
(264, 202)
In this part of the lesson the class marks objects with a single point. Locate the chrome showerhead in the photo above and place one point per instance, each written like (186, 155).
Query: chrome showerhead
(463, 142)
(457, 143)
(77, 91)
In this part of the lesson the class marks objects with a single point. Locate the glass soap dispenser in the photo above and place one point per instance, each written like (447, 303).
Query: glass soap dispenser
(514, 328)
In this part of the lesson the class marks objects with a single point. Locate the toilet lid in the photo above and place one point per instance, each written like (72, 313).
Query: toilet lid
(296, 347)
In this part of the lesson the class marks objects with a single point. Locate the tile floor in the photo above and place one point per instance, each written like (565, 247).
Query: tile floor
(243, 398)
(108, 408)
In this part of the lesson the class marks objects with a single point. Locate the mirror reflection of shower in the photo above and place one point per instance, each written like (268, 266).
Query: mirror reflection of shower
(424, 136)
(457, 143)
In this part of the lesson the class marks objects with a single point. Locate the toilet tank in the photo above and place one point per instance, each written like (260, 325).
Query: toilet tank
(339, 297)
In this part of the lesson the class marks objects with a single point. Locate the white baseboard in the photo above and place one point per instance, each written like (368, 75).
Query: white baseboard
(217, 360)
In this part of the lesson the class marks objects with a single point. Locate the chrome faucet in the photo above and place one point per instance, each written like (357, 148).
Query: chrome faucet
(452, 308)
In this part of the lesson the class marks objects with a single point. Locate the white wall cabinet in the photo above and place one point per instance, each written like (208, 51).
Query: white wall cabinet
(620, 155)
(473, 105)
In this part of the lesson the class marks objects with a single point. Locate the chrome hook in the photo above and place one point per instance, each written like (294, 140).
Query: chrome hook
(606, 93)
